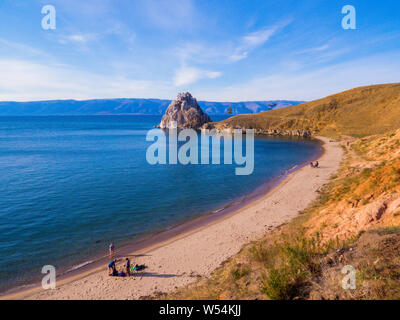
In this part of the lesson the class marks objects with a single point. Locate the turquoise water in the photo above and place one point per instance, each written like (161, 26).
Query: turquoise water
(70, 185)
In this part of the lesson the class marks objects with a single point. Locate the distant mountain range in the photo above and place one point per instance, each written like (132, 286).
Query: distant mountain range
(131, 106)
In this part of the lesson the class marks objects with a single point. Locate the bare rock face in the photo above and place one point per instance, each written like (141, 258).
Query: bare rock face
(186, 112)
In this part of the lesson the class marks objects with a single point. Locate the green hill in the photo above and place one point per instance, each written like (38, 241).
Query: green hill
(357, 112)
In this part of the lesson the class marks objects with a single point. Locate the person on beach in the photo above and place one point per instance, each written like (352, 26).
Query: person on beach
(111, 250)
(316, 165)
(128, 267)
(112, 268)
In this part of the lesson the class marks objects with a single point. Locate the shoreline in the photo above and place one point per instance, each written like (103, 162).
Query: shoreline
(150, 239)
(71, 286)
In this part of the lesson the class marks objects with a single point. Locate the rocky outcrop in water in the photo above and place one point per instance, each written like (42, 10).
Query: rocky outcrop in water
(186, 112)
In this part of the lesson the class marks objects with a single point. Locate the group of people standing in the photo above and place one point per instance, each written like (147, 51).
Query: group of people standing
(112, 268)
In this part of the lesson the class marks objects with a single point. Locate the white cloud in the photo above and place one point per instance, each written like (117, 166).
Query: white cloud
(169, 14)
(226, 51)
(26, 49)
(188, 75)
(315, 49)
(322, 48)
(24, 80)
(123, 32)
(253, 40)
(258, 38)
(237, 56)
(309, 84)
(80, 39)
(199, 54)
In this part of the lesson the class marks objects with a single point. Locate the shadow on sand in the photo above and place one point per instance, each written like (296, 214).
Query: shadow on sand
(155, 275)
(134, 255)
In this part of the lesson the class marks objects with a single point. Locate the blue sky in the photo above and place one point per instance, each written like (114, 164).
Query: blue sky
(219, 50)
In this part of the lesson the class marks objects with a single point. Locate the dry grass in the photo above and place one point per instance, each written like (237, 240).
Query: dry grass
(358, 112)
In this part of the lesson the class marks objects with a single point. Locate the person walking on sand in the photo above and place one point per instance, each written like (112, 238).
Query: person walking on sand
(111, 250)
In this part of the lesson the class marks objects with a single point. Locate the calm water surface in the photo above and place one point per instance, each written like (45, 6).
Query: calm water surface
(70, 185)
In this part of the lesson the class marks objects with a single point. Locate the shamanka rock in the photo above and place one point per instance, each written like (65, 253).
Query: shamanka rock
(186, 112)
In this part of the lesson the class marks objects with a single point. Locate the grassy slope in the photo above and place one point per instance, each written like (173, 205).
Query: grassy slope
(355, 221)
(358, 112)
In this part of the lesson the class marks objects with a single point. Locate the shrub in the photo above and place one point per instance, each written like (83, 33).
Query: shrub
(282, 284)
(240, 271)
(298, 264)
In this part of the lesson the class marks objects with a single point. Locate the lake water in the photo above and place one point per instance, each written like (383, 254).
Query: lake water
(71, 185)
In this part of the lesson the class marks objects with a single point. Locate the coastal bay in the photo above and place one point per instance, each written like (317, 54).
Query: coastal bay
(182, 259)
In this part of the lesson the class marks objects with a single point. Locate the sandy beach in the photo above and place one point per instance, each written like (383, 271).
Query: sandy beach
(180, 260)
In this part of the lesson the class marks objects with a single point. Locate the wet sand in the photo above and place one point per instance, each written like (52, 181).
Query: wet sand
(178, 260)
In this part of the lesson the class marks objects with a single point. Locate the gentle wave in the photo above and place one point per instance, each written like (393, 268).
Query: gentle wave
(80, 265)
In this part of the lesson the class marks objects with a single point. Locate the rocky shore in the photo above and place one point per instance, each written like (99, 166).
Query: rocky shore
(257, 131)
